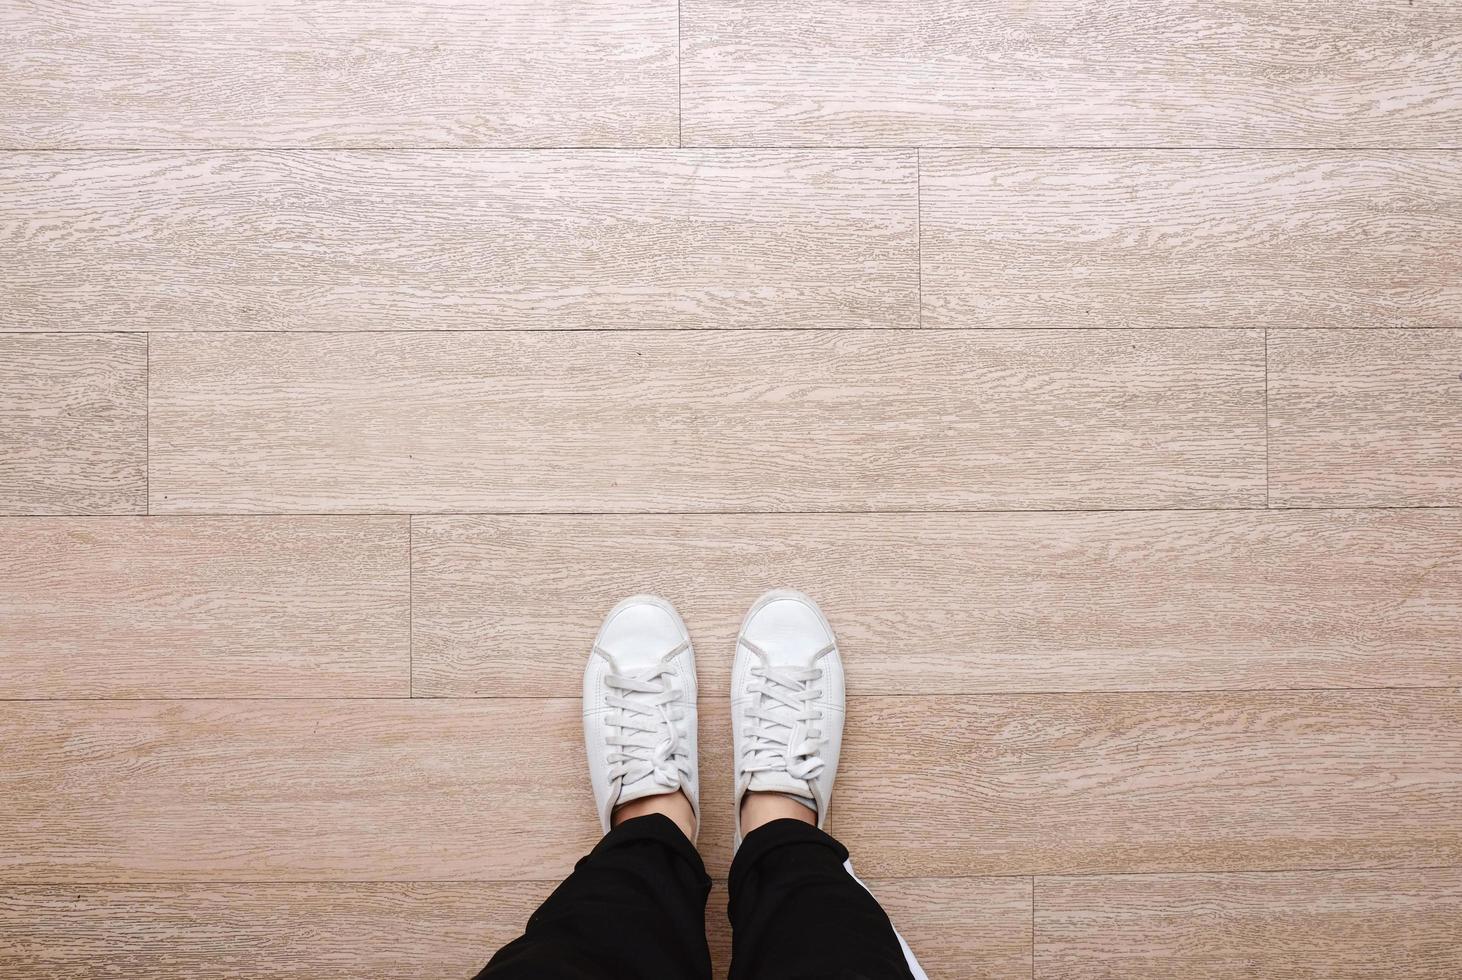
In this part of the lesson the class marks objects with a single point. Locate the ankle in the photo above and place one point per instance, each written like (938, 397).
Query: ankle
(762, 808)
(674, 805)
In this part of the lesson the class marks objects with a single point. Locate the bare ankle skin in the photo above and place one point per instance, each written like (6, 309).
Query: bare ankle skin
(762, 808)
(673, 805)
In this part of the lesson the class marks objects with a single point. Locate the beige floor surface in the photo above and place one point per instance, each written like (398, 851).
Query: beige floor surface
(1097, 364)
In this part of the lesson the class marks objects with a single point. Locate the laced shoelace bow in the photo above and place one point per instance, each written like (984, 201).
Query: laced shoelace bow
(782, 704)
(645, 732)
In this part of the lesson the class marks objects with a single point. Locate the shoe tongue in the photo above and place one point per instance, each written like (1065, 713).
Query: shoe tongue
(780, 781)
(646, 785)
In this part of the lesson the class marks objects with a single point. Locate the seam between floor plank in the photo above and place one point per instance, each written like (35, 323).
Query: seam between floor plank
(732, 147)
(919, 227)
(726, 331)
(756, 513)
(966, 695)
(131, 883)
(147, 426)
(410, 607)
(1033, 927)
(1267, 487)
(574, 514)
(679, 72)
(622, 331)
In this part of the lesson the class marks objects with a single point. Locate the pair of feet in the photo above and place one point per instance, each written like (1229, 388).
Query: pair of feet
(787, 711)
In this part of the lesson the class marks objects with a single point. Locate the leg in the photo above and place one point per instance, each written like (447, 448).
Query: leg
(634, 907)
(797, 911)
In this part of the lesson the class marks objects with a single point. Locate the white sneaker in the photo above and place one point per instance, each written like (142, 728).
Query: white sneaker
(787, 703)
(639, 707)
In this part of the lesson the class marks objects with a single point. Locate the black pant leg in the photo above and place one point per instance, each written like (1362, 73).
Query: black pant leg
(797, 913)
(635, 907)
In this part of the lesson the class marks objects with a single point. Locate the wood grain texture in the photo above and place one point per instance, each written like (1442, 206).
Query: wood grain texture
(1365, 418)
(1328, 925)
(204, 607)
(73, 424)
(1239, 238)
(355, 240)
(1071, 73)
(424, 789)
(293, 790)
(961, 603)
(714, 420)
(975, 928)
(330, 931)
(133, 73)
(1152, 782)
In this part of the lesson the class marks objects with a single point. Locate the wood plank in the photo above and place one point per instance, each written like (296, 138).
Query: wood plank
(1365, 418)
(136, 73)
(425, 789)
(204, 607)
(467, 240)
(1238, 238)
(73, 424)
(962, 603)
(966, 927)
(1071, 73)
(718, 420)
(331, 931)
(1149, 782)
(292, 790)
(1329, 924)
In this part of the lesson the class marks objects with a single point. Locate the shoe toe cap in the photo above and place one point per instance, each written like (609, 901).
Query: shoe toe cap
(640, 631)
(789, 628)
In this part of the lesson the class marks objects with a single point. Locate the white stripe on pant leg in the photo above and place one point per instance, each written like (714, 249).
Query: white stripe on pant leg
(914, 967)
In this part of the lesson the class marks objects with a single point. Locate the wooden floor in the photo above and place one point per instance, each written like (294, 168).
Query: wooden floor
(1097, 364)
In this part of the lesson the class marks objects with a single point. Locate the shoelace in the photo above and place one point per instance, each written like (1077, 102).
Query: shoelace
(645, 737)
(783, 703)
